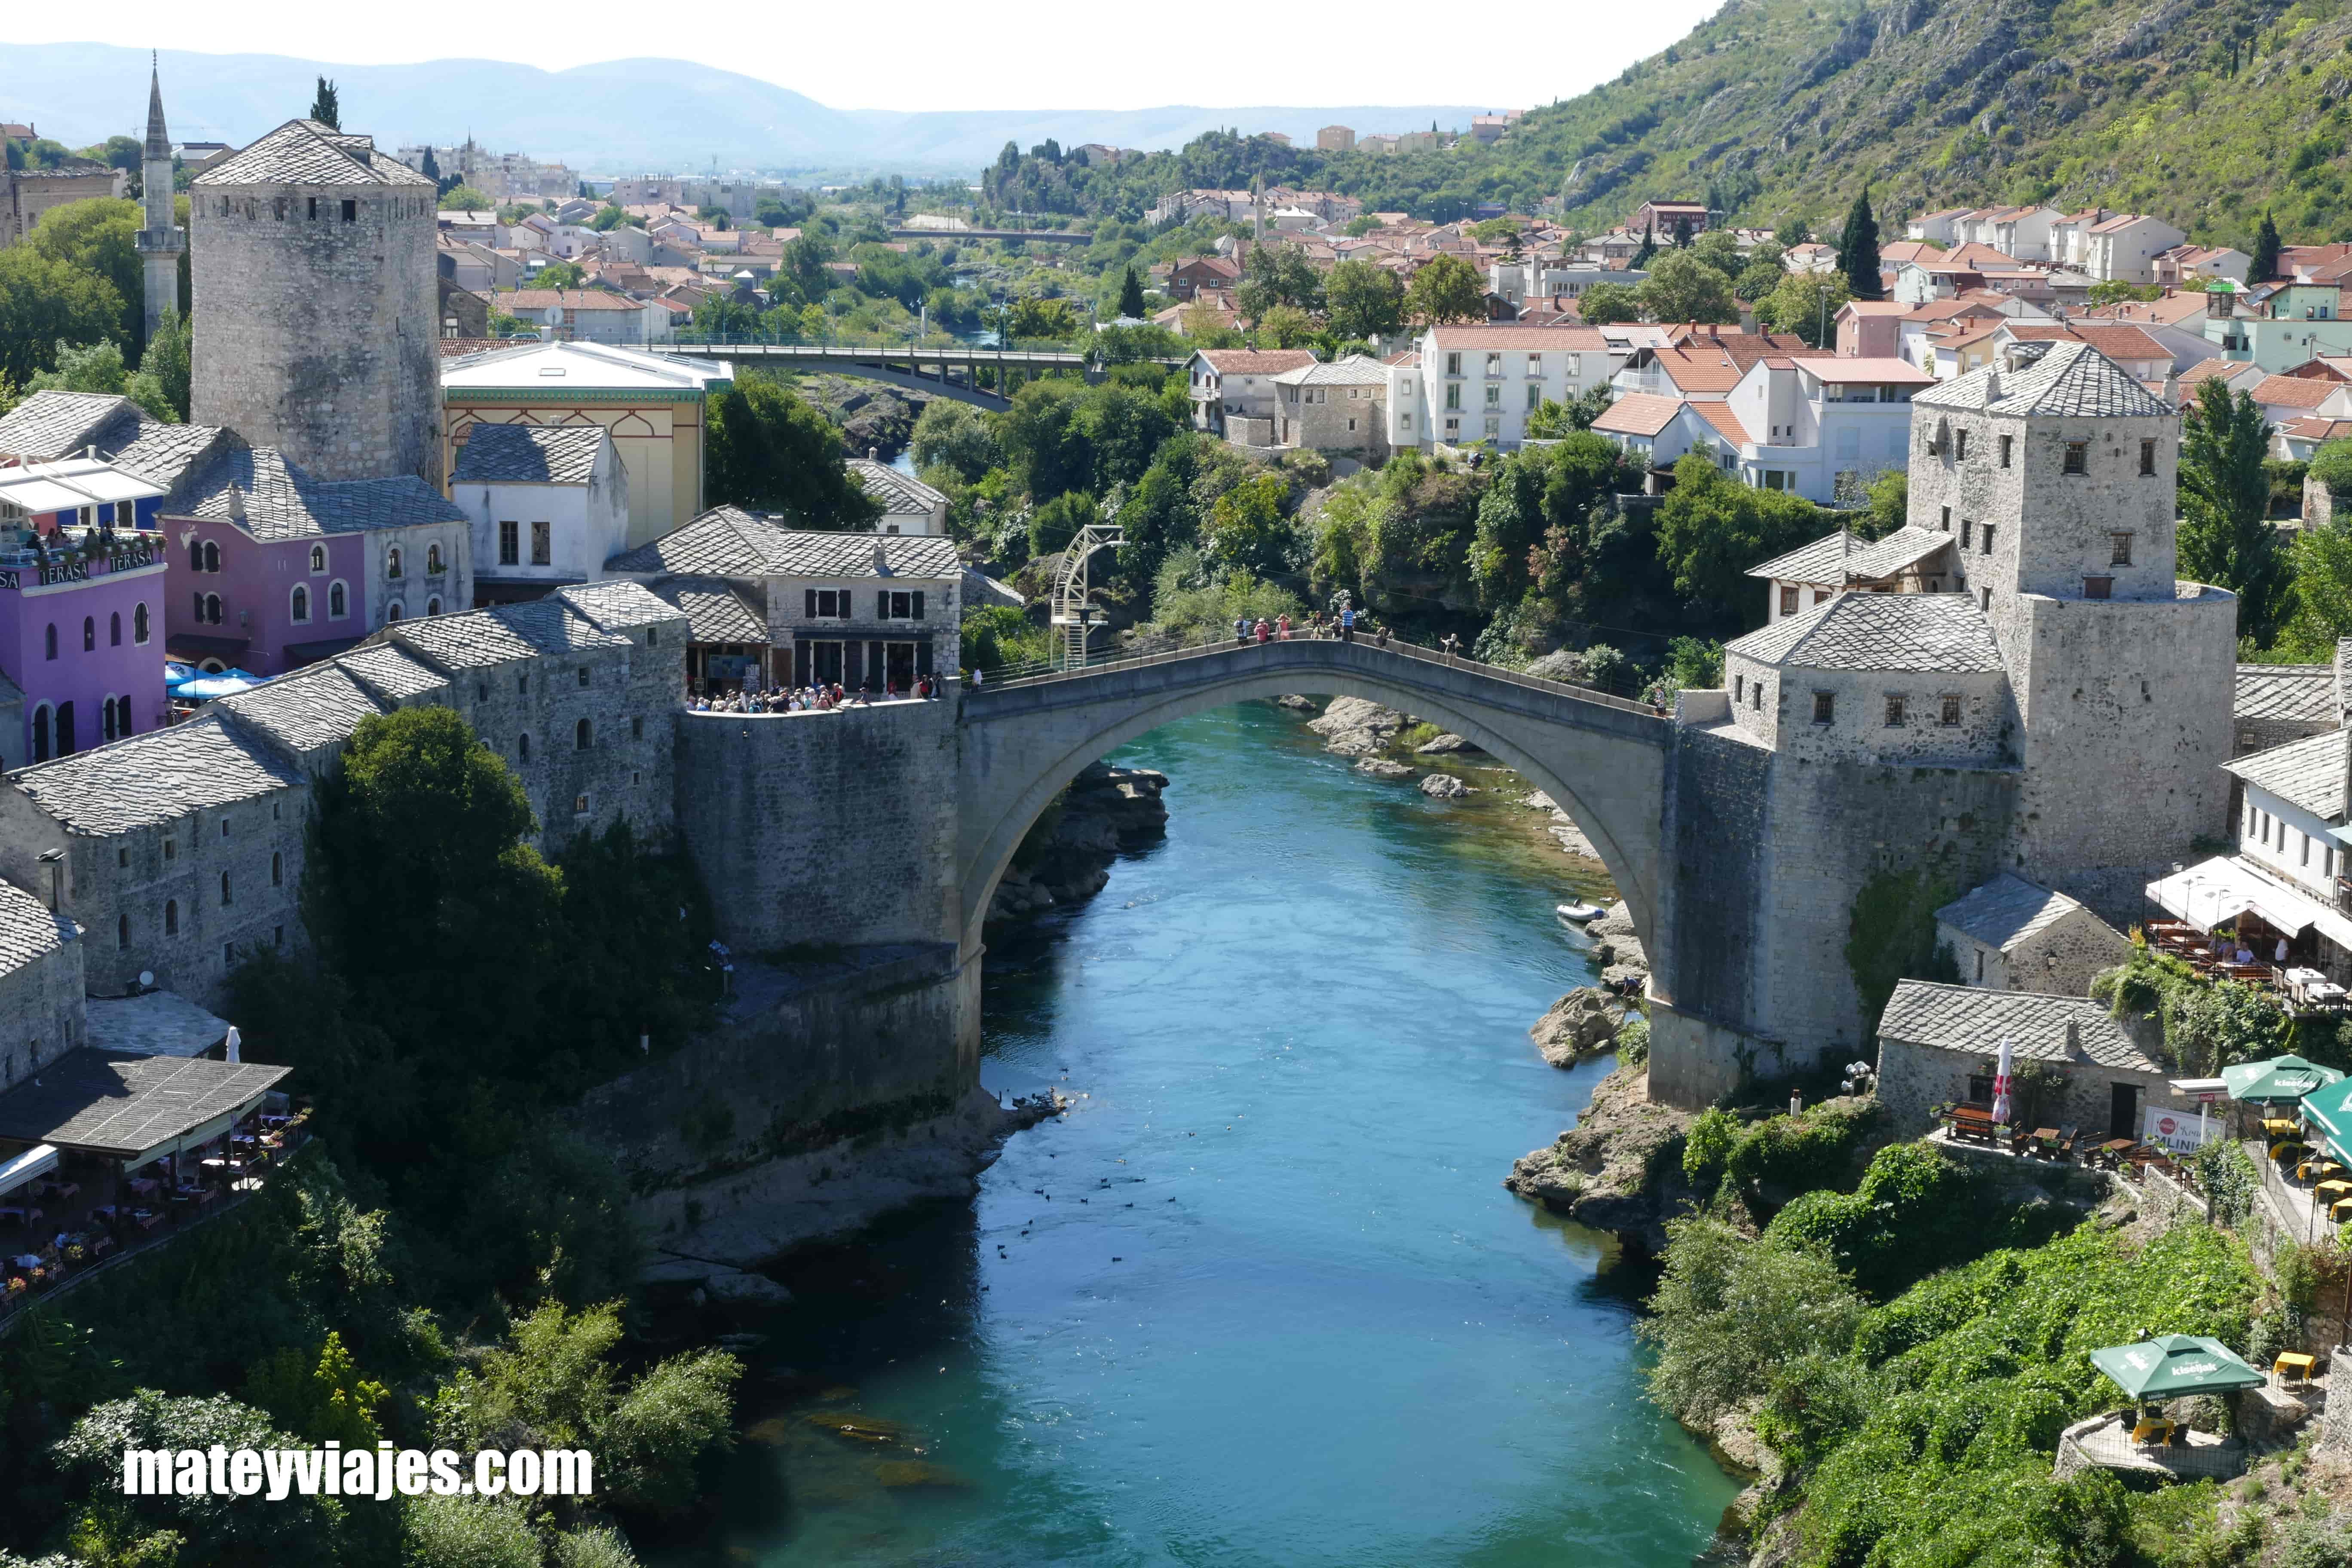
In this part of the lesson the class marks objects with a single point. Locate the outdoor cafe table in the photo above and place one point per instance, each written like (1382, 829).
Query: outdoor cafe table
(2282, 1127)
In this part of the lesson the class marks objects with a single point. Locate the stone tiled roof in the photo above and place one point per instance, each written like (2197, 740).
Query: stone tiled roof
(1942, 634)
(167, 453)
(2295, 693)
(1903, 548)
(391, 674)
(2069, 379)
(304, 711)
(1356, 370)
(28, 932)
(122, 1104)
(900, 494)
(727, 542)
(481, 638)
(714, 611)
(2309, 773)
(2006, 911)
(617, 606)
(1975, 1021)
(157, 777)
(529, 454)
(1822, 561)
(304, 153)
(49, 425)
(279, 500)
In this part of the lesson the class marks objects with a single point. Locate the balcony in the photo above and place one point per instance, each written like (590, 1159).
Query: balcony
(67, 561)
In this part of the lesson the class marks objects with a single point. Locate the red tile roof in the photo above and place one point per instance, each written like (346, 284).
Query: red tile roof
(2294, 391)
(2116, 341)
(1719, 415)
(1638, 413)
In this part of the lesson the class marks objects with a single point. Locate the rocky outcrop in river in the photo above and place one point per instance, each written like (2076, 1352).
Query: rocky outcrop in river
(1619, 1168)
(1580, 1025)
(1068, 855)
(1624, 963)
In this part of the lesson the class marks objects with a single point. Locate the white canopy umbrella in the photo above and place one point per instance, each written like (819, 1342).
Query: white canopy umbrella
(2000, 1085)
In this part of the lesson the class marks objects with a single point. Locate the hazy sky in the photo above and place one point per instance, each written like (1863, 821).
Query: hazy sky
(922, 54)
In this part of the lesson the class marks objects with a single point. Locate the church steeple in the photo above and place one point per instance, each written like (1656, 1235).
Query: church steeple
(160, 239)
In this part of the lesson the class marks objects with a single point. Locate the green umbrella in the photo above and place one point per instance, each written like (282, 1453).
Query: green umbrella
(2281, 1078)
(2330, 1109)
(2169, 1365)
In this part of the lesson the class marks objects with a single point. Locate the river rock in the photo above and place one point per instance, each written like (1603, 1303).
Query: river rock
(1449, 741)
(1353, 727)
(1381, 768)
(1295, 704)
(1580, 1024)
(1445, 786)
(1106, 811)
(1619, 1169)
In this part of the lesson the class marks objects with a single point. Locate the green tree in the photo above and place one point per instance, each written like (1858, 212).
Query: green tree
(1036, 318)
(1552, 419)
(1130, 295)
(1247, 528)
(1602, 304)
(467, 1532)
(1649, 247)
(1761, 273)
(1285, 327)
(1858, 250)
(1890, 503)
(1696, 663)
(100, 236)
(327, 106)
(1446, 288)
(1122, 428)
(320, 1396)
(1044, 444)
(1807, 304)
(1538, 498)
(1682, 233)
(1711, 529)
(559, 275)
(608, 219)
(1719, 248)
(1681, 288)
(771, 449)
(1364, 300)
(1731, 1312)
(465, 198)
(1277, 274)
(957, 437)
(2115, 291)
(96, 368)
(2226, 537)
(2265, 264)
(161, 384)
(1793, 232)
(1052, 525)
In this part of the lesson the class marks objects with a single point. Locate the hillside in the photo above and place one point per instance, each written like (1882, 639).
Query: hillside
(2198, 112)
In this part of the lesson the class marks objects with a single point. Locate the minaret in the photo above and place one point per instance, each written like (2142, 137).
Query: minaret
(160, 239)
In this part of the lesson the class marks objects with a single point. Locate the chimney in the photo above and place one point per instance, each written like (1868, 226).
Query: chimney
(2073, 1039)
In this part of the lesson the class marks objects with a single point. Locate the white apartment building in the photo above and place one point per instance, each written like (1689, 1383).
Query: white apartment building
(1821, 427)
(1480, 383)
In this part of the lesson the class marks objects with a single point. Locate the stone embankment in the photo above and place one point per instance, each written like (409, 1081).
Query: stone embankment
(1619, 1169)
(1067, 856)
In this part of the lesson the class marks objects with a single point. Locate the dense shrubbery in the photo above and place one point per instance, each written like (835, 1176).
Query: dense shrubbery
(2207, 1023)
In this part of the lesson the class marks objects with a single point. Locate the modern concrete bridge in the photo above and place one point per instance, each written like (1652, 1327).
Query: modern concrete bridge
(1603, 759)
(951, 371)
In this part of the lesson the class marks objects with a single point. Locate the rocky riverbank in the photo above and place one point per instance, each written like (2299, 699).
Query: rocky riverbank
(1066, 856)
(1620, 1168)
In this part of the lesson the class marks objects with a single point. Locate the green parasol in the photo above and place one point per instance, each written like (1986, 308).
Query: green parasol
(2279, 1078)
(2170, 1365)
(2330, 1111)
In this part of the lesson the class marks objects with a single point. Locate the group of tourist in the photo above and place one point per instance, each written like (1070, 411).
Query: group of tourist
(1342, 626)
(817, 697)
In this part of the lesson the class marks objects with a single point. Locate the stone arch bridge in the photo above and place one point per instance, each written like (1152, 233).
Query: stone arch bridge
(1610, 763)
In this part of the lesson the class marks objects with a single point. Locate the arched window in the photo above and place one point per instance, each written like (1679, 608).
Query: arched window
(106, 721)
(522, 746)
(225, 900)
(90, 633)
(50, 642)
(195, 555)
(278, 870)
(199, 601)
(41, 734)
(391, 562)
(338, 602)
(301, 603)
(171, 917)
(317, 558)
(122, 931)
(213, 609)
(433, 605)
(432, 558)
(114, 629)
(392, 612)
(211, 556)
(139, 624)
(583, 737)
(122, 716)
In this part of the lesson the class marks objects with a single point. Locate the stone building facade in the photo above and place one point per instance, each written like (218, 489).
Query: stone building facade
(1938, 1045)
(316, 330)
(2012, 935)
(40, 986)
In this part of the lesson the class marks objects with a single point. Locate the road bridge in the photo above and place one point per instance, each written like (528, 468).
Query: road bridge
(1010, 236)
(951, 370)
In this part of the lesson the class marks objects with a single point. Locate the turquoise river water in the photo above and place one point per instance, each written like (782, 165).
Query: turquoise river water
(1260, 1298)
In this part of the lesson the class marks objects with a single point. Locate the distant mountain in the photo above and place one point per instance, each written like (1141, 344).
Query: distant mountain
(619, 117)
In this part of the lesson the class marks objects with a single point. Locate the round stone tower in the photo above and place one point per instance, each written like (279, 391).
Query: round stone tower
(312, 262)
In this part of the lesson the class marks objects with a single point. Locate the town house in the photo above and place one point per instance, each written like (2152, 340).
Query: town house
(547, 505)
(1233, 391)
(1480, 383)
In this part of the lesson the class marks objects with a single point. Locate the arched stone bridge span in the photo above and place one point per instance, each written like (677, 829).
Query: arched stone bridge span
(1603, 760)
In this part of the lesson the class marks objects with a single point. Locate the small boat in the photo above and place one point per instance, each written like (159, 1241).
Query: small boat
(1580, 911)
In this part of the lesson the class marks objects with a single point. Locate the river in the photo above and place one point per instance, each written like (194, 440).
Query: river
(1259, 1298)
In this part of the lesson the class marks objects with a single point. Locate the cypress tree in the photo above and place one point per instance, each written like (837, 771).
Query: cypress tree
(1649, 246)
(326, 107)
(2266, 252)
(1858, 250)
(1681, 234)
(1130, 295)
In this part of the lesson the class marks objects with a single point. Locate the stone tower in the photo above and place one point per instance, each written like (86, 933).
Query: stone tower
(314, 304)
(160, 239)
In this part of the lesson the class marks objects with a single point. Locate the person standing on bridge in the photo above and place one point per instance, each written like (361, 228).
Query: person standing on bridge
(1451, 643)
(1262, 631)
(1241, 629)
(1347, 623)
(1282, 626)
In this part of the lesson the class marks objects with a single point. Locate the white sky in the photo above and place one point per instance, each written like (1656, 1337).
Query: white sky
(927, 54)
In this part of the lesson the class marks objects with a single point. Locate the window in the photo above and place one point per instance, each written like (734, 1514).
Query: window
(1535, 364)
(2121, 554)
(225, 899)
(522, 746)
(511, 543)
(1952, 710)
(522, 684)
(1894, 711)
(2098, 587)
(2078, 457)
(579, 806)
(1984, 600)
(300, 602)
(1820, 595)
(197, 603)
(114, 629)
(1453, 364)
(1947, 519)
(391, 562)
(637, 729)
(1981, 963)
(139, 624)
(50, 642)
(2307, 850)
(1967, 534)
(1987, 539)
(827, 603)
(1824, 707)
(211, 556)
(123, 855)
(583, 737)
(1404, 421)
(433, 605)
(351, 210)
(317, 558)
(171, 917)
(213, 609)
(2006, 441)
(2147, 456)
(1453, 395)
(314, 209)
(277, 936)
(433, 560)
(277, 870)
(121, 932)
(1494, 364)
(898, 605)
(170, 849)
(1960, 445)
(338, 602)
(543, 544)
(1535, 398)
(195, 555)
(1788, 598)
(1738, 689)
(1494, 398)
(1755, 696)
(90, 633)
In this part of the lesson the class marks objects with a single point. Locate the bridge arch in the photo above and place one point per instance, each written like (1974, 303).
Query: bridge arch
(1605, 764)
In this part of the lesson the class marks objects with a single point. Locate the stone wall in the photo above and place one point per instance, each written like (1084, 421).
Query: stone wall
(1859, 708)
(818, 829)
(40, 997)
(2058, 959)
(1914, 1078)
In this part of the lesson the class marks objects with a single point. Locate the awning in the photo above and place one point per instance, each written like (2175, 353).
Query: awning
(188, 645)
(2330, 1111)
(131, 1107)
(2277, 1080)
(17, 1169)
(2216, 892)
(2170, 1365)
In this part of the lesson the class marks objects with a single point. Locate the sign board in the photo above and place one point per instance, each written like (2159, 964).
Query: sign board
(2176, 1130)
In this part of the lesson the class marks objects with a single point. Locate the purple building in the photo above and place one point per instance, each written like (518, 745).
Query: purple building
(81, 610)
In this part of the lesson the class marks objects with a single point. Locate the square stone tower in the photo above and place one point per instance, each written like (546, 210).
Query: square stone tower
(314, 309)
(160, 239)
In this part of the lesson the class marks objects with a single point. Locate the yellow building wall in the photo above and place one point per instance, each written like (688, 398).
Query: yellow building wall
(660, 445)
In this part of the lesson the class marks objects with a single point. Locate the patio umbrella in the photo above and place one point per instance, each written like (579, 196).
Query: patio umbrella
(2330, 1111)
(205, 688)
(2170, 1365)
(2000, 1085)
(2279, 1078)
